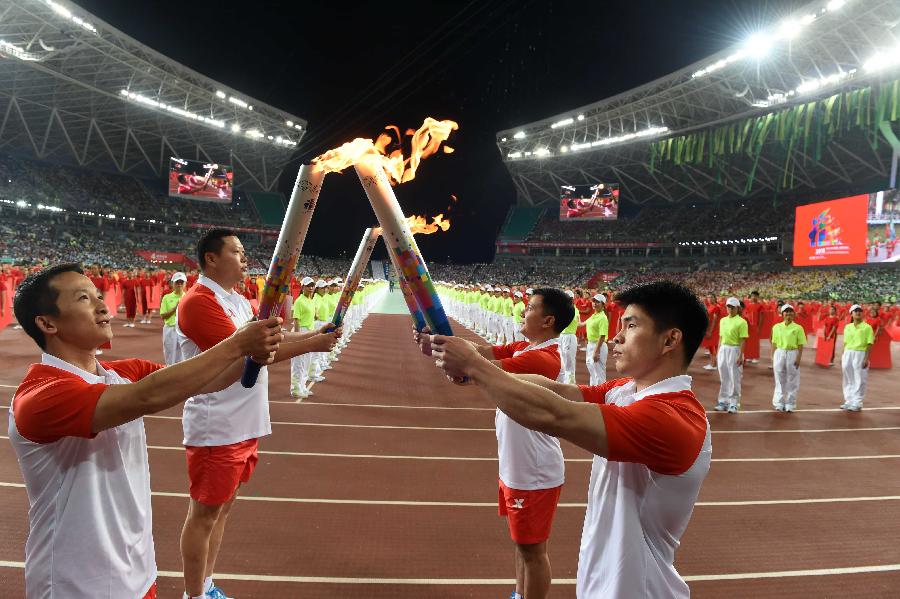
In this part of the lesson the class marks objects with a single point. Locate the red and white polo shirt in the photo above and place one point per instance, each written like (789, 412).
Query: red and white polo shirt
(529, 460)
(90, 524)
(207, 314)
(642, 495)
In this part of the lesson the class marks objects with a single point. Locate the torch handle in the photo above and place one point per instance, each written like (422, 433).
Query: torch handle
(251, 372)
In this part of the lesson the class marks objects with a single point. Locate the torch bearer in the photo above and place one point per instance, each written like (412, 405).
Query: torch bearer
(351, 283)
(400, 241)
(287, 251)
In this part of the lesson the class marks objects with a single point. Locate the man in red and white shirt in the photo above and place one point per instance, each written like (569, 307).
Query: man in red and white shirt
(77, 429)
(648, 433)
(532, 469)
(222, 429)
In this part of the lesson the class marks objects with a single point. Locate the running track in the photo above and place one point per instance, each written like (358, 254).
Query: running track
(383, 485)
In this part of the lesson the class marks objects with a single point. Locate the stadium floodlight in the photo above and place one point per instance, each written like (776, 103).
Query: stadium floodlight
(220, 94)
(562, 123)
(22, 204)
(502, 140)
(289, 123)
(235, 128)
(515, 155)
(790, 29)
(758, 45)
(16, 52)
(619, 138)
(580, 117)
(67, 14)
(298, 127)
(519, 135)
(542, 152)
(563, 149)
(835, 4)
(238, 102)
(883, 60)
(141, 99)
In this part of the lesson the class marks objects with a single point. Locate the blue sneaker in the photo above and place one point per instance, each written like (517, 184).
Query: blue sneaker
(216, 593)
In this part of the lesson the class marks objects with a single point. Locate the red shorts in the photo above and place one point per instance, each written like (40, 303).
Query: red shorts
(530, 513)
(216, 471)
(151, 593)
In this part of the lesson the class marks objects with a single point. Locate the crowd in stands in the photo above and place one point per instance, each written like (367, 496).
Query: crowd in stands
(30, 236)
(675, 223)
(77, 191)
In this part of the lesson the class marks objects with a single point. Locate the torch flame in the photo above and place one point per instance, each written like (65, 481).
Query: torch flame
(425, 142)
(419, 224)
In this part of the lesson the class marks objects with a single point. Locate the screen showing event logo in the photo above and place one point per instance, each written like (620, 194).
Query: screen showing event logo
(599, 201)
(197, 180)
(852, 230)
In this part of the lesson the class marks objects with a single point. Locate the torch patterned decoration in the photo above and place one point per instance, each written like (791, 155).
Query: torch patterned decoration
(411, 304)
(287, 250)
(399, 239)
(351, 283)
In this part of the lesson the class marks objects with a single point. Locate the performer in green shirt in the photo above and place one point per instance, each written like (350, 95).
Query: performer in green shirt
(168, 307)
(858, 340)
(303, 315)
(597, 328)
(733, 333)
(788, 339)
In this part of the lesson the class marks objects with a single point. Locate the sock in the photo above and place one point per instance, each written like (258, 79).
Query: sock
(207, 584)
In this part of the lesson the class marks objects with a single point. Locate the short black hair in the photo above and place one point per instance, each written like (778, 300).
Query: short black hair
(671, 306)
(558, 304)
(754, 292)
(211, 241)
(35, 297)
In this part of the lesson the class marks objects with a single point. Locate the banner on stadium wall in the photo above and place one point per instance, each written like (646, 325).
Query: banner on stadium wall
(270, 232)
(167, 257)
(511, 246)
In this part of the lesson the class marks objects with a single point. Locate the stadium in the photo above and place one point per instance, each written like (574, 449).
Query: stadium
(758, 185)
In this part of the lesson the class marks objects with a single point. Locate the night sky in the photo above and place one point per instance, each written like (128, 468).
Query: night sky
(489, 65)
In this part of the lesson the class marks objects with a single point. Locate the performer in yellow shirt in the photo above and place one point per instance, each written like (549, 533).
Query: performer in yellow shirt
(858, 340)
(788, 339)
(733, 333)
(304, 314)
(597, 329)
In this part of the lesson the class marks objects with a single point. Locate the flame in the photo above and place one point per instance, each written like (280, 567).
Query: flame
(424, 142)
(419, 224)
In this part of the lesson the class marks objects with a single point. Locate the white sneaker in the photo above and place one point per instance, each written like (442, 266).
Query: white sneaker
(845, 405)
(732, 409)
(854, 408)
(720, 407)
(709, 367)
(754, 361)
(788, 408)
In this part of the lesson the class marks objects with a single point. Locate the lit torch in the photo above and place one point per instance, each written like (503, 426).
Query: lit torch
(399, 238)
(351, 283)
(287, 251)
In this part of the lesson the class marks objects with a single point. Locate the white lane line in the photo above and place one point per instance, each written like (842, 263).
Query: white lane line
(795, 573)
(491, 429)
(772, 411)
(366, 405)
(506, 581)
(438, 458)
(810, 430)
(493, 504)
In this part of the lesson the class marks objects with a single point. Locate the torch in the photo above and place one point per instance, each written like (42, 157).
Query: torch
(411, 304)
(401, 244)
(287, 251)
(351, 283)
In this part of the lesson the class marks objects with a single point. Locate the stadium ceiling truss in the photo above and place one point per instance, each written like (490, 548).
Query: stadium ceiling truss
(825, 49)
(75, 90)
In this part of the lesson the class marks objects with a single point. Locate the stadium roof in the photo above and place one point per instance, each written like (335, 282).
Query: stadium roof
(826, 47)
(74, 89)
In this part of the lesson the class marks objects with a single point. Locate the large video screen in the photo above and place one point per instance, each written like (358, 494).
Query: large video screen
(854, 230)
(197, 180)
(599, 201)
